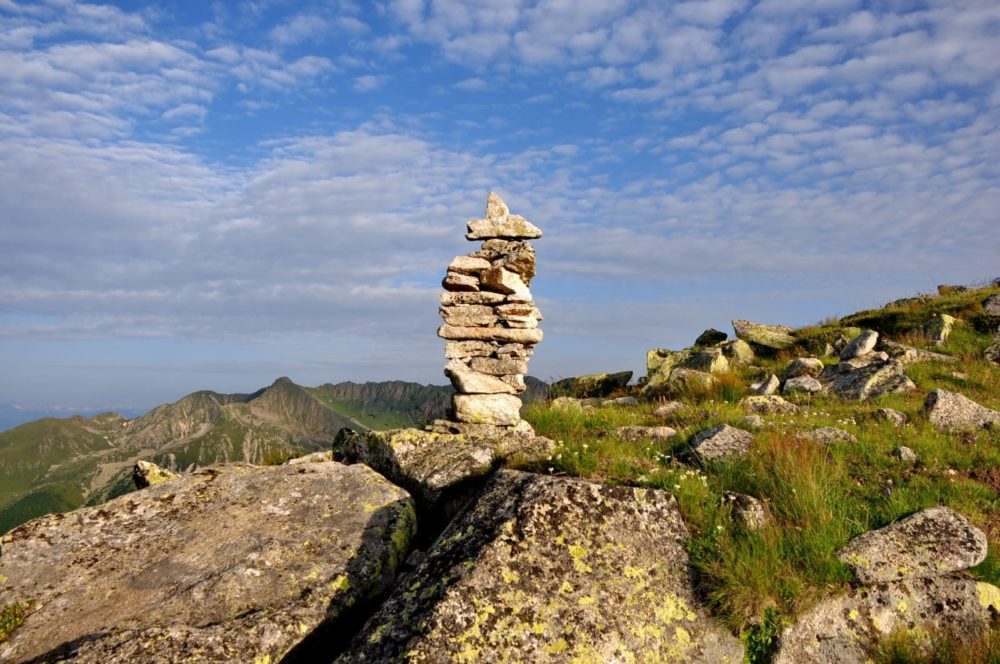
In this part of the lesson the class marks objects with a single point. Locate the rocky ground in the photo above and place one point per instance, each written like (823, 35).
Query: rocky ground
(828, 494)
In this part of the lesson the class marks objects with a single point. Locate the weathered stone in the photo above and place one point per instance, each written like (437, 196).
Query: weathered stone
(753, 422)
(499, 409)
(496, 209)
(950, 411)
(519, 259)
(939, 329)
(635, 433)
(661, 361)
(769, 386)
(670, 408)
(501, 334)
(802, 384)
(482, 297)
(827, 435)
(459, 349)
(147, 473)
(738, 352)
(773, 337)
(746, 510)
(686, 380)
(991, 305)
(512, 227)
(519, 322)
(514, 350)
(870, 381)
(566, 403)
(315, 457)
(863, 344)
(468, 381)
(516, 381)
(841, 630)
(905, 454)
(621, 401)
(499, 367)
(453, 281)
(493, 249)
(468, 315)
(230, 563)
(893, 416)
(929, 543)
(803, 366)
(711, 361)
(908, 354)
(992, 352)
(710, 337)
(517, 309)
(767, 404)
(551, 569)
(721, 442)
(468, 265)
(504, 281)
(591, 385)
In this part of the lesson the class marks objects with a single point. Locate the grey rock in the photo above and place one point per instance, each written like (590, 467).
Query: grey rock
(686, 380)
(939, 328)
(754, 422)
(591, 385)
(905, 454)
(496, 409)
(991, 305)
(230, 563)
(950, 411)
(621, 401)
(566, 403)
(802, 384)
(769, 386)
(803, 366)
(767, 404)
(710, 337)
(551, 569)
(840, 630)
(827, 435)
(661, 361)
(773, 337)
(468, 381)
(147, 473)
(869, 382)
(721, 442)
(670, 408)
(710, 361)
(637, 433)
(746, 510)
(499, 366)
(908, 354)
(889, 415)
(992, 352)
(863, 344)
(929, 543)
(738, 351)
(462, 349)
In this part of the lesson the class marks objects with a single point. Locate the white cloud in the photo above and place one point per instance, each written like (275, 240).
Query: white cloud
(369, 82)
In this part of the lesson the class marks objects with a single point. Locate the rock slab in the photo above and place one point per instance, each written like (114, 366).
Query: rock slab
(545, 569)
(721, 442)
(231, 563)
(951, 411)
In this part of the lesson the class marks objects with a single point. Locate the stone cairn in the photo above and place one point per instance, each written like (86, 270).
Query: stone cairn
(490, 323)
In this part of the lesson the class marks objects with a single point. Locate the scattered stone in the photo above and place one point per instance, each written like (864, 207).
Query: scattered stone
(889, 415)
(738, 351)
(868, 381)
(827, 435)
(147, 473)
(992, 352)
(960, 375)
(631, 434)
(929, 543)
(621, 402)
(230, 563)
(939, 329)
(771, 337)
(905, 454)
(991, 305)
(908, 354)
(753, 422)
(686, 380)
(863, 344)
(843, 629)
(670, 408)
(710, 337)
(769, 386)
(767, 404)
(551, 569)
(592, 385)
(721, 442)
(662, 360)
(802, 384)
(803, 366)
(746, 510)
(950, 411)
(710, 361)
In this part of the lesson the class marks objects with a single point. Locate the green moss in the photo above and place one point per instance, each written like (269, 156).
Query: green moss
(12, 616)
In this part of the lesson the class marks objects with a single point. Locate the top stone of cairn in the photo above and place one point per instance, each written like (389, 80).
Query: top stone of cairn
(501, 224)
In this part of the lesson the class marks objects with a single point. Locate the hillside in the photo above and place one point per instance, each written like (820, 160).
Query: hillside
(54, 465)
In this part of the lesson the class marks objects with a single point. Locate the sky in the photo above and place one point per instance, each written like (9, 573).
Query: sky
(209, 195)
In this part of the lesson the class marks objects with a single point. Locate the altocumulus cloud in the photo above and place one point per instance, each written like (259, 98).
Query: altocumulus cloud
(261, 176)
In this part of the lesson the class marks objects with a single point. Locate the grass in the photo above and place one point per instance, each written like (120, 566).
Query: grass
(905, 648)
(817, 497)
(11, 617)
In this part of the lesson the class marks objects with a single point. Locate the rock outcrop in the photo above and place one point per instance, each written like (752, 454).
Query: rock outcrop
(232, 563)
(490, 318)
(550, 569)
(764, 337)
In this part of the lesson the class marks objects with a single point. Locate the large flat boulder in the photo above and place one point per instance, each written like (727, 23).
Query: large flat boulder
(231, 563)
(951, 411)
(841, 630)
(546, 569)
(720, 443)
(931, 542)
(758, 335)
(866, 381)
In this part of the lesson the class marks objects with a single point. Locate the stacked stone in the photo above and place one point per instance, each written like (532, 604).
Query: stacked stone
(490, 319)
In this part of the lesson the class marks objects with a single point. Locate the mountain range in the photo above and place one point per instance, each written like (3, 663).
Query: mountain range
(56, 465)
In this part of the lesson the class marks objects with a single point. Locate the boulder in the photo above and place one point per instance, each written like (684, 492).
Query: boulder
(710, 337)
(841, 630)
(991, 305)
(767, 404)
(147, 473)
(621, 402)
(802, 384)
(863, 344)
(992, 352)
(230, 563)
(710, 361)
(939, 328)
(720, 443)
(769, 386)
(827, 435)
(636, 433)
(908, 354)
(803, 366)
(746, 510)
(769, 337)
(592, 385)
(738, 351)
(670, 408)
(753, 422)
(685, 380)
(660, 361)
(894, 417)
(929, 543)
(438, 469)
(551, 569)
(496, 409)
(868, 381)
(950, 411)
(905, 454)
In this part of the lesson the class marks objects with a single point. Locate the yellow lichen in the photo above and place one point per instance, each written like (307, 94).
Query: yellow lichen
(579, 553)
(902, 606)
(340, 583)
(634, 572)
(566, 587)
(673, 608)
(989, 595)
(557, 646)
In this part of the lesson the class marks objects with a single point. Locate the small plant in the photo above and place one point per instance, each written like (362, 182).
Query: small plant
(760, 639)
(11, 617)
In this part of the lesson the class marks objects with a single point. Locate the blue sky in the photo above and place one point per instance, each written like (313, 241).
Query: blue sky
(211, 195)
